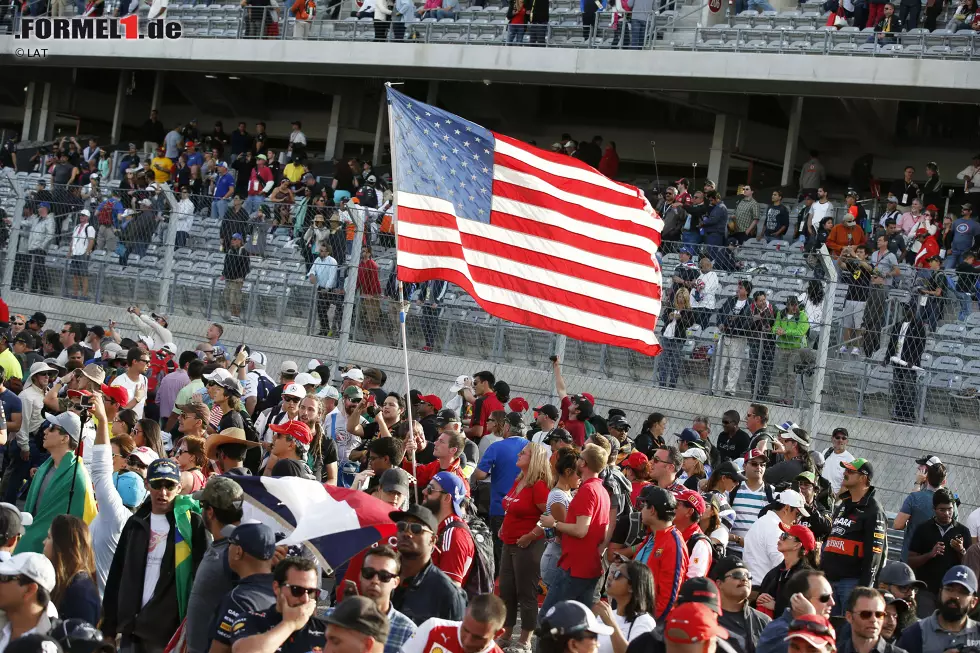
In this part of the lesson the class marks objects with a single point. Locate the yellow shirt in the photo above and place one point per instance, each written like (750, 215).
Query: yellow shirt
(10, 365)
(293, 172)
(166, 164)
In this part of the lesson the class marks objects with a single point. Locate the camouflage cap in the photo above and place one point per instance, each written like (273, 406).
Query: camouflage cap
(221, 492)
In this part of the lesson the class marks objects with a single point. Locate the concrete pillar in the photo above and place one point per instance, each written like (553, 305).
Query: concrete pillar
(43, 126)
(722, 142)
(120, 108)
(432, 95)
(158, 90)
(379, 130)
(25, 132)
(792, 140)
(333, 129)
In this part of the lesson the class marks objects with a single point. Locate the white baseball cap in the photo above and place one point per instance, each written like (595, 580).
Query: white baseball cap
(328, 392)
(294, 390)
(169, 347)
(219, 374)
(32, 565)
(313, 364)
(696, 453)
(462, 381)
(145, 455)
(148, 341)
(258, 359)
(304, 378)
(354, 374)
(793, 499)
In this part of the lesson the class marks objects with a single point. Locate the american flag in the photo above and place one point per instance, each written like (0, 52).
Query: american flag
(536, 238)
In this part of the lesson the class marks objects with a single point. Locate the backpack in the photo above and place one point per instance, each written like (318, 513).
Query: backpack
(481, 576)
(264, 386)
(768, 488)
(253, 455)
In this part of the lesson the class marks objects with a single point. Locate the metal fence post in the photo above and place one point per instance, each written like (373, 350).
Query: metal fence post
(350, 288)
(167, 273)
(13, 241)
(812, 414)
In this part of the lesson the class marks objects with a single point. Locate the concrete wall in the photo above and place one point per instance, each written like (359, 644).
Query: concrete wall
(891, 447)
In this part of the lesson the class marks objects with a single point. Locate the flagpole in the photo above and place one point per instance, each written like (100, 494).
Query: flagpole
(402, 305)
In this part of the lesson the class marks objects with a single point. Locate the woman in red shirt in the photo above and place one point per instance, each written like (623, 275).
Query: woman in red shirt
(520, 561)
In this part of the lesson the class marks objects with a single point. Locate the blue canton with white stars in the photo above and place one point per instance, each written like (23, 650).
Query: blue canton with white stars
(439, 154)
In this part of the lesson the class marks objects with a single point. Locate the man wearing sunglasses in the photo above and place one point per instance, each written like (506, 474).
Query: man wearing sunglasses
(284, 412)
(866, 615)
(291, 627)
(855, 550)
(26, 583)
(812, 598)
(749, 498)
(378, 578)
(743, 623)
(32, 416)
(250, 551)
(950, 627)
(425, 591)
(140, 601)
(834, 456)
(134, 379)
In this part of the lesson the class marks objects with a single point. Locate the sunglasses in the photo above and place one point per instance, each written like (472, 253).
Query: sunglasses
(825, 598)
(298, 591)
(163, 485)
(8, 579)
(867, 614)
(18, 324)
(368, 573)
(412, 527)
(810, 626)
(786, 536)
(617, 574)
(739, 575)
(288, 400)
(840, 437)
(728, 422)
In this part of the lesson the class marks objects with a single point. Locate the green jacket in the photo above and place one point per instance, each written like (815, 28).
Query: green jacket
(796, 329)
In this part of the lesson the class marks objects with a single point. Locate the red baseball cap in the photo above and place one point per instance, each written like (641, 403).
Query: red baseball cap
(636, 460)
(518, 404)
(117, 393)
(432, 400)
(753, 454)
(294, 429)
(814, 629)
(694, 498)
(690, 623)
(802, 533)
(589, 397)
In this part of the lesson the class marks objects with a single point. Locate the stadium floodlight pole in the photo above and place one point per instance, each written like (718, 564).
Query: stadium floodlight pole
(402, 304)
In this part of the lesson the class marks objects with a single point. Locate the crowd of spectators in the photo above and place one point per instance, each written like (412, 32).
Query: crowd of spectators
(127, 520)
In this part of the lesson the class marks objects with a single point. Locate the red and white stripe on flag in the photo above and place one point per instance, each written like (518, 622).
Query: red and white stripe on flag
(565, 249)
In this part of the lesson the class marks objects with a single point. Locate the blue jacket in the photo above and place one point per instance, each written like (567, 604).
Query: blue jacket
(716, 222)
(772, 638)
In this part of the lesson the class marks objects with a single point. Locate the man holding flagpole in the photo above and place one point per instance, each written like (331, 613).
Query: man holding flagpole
(149, 583)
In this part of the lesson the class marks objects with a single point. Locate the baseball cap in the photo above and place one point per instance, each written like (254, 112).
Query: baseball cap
(618, 422)
(570, 617)
(354, 374)
(802, 533)
(304, 379)
(221, 492)
(131, 489)
(432, 400)
(145, 455)
(163, 469)
(68, 422)
(694, 499)
(453, 486)
(289, 367)
(394, 479)
(729, 469)
(446, 416)
(696, 453)
(688, 435)
(462, 381)
(786, 427)
(117, 393)
(294, 390)
(793, 499)
(169, 347)
(753, 454)
(30, 565)
(807, 476)
(900, 574)
(690, 623)
(861, 466)
(328, 392)
(258, 359)
(636, 460)
(686, 250)
(558, 434)
(548, 409)
(959, 575)
(231, 385)
(353, 392)
(724, 566)
(814, 629)
(160, 316)
(13, 521)
(38, 318)
(421, 513)
(217, 375)
(360, 614)
(516, 421)
(928, 461)
(257, 540)
(295, 429)
(518, 404)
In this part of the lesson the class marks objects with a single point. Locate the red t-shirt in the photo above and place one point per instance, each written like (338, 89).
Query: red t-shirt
(518, 18)
(521, 512)
(637, 488)
(574, 427)
(580, 555)
(440, 636)
(424, 473)
(490, 404)
(454, 550)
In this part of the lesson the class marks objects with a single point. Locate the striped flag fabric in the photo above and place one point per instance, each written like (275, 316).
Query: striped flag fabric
(535, 237)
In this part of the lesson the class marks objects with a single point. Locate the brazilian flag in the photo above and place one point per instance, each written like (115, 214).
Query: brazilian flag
(184, 505)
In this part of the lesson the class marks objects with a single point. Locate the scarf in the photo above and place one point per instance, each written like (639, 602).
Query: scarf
(55, 500)
(184, 505)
